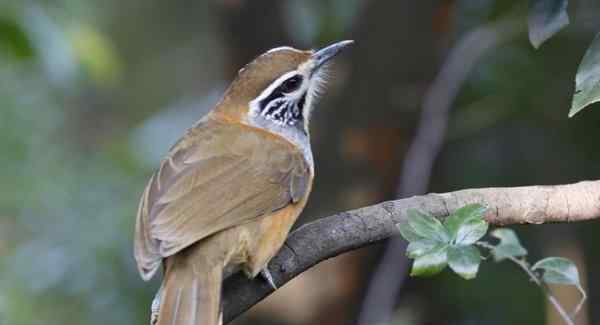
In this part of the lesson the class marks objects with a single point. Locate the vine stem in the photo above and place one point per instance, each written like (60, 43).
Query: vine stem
(580, 304)
(525, 267)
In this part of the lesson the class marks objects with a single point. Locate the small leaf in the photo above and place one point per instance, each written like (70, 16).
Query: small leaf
(464, 260)
(407, 232)
(558, 270)
(421, 247)
(587, 81)
(471, 232)
(546, 18)
(509, 245)
(432, 263)
(427, 226)
(461, 216)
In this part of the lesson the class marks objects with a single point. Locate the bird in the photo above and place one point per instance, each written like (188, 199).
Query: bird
(226, 195)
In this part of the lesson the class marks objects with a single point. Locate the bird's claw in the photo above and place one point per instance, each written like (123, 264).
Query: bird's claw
(265, 273)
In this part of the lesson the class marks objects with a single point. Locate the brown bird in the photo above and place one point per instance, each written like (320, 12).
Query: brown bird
(228, 192)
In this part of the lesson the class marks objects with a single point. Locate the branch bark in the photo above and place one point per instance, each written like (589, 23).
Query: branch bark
(346, 231)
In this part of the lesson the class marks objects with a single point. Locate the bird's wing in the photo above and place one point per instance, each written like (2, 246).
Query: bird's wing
(217, 176)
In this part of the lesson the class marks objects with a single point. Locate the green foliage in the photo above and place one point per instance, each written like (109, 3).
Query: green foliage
(467, 225)
(558, 270)
(434, 245)
(546, 18)
(465, 215)
(421, 247)
(509, 245)
(587, 81)
(464, 260)
(431, 262)
(426, 226)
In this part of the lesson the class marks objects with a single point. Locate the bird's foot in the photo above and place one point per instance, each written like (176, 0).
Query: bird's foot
(266, 274)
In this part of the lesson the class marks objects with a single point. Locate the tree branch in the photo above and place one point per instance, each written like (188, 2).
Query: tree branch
(346, 231)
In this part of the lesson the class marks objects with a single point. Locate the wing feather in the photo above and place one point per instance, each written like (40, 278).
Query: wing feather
(217, 176)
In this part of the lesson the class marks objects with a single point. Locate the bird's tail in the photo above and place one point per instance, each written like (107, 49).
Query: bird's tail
(191, 295)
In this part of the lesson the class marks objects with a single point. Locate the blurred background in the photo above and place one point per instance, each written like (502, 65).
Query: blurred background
(92, 94)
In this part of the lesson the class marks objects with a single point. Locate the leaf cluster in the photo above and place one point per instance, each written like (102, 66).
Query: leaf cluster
(455, 243)
(435, 245)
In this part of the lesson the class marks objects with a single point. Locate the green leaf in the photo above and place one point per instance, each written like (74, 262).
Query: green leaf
(587, 81)
(558, 270)
(464, 260)
(421, 247)
(471, 232)
(407, 232)
(427, 226)
(546, 18)
(462, 216)
(432, 263)
(509, 245)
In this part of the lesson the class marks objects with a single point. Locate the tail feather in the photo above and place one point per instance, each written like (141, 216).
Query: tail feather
(190, 297)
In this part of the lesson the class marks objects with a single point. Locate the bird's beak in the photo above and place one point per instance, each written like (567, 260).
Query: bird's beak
(323, 55)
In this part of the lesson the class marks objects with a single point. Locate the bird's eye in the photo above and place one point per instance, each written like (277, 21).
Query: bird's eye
(291, 84)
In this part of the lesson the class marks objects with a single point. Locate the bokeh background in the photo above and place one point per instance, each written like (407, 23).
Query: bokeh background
(92, 94)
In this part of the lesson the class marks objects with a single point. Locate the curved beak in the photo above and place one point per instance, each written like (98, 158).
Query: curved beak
(325, 54)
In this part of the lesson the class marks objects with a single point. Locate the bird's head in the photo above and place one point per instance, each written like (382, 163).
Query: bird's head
(276, 91)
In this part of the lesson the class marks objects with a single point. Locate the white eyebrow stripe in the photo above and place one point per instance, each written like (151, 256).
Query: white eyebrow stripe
(255, 103)
(281, 48)
(274, 85)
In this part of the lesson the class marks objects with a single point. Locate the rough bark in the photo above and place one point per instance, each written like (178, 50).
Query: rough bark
(345, 231)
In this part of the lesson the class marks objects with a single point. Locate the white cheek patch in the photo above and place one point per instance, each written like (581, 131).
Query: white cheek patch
(290, 108)
(275, 107)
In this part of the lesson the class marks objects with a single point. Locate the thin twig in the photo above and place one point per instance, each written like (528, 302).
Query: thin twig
(581, 302)
(525, 267)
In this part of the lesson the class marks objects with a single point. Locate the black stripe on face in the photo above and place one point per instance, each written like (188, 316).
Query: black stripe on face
(277, 93)
(291, 84)
(282, 108)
